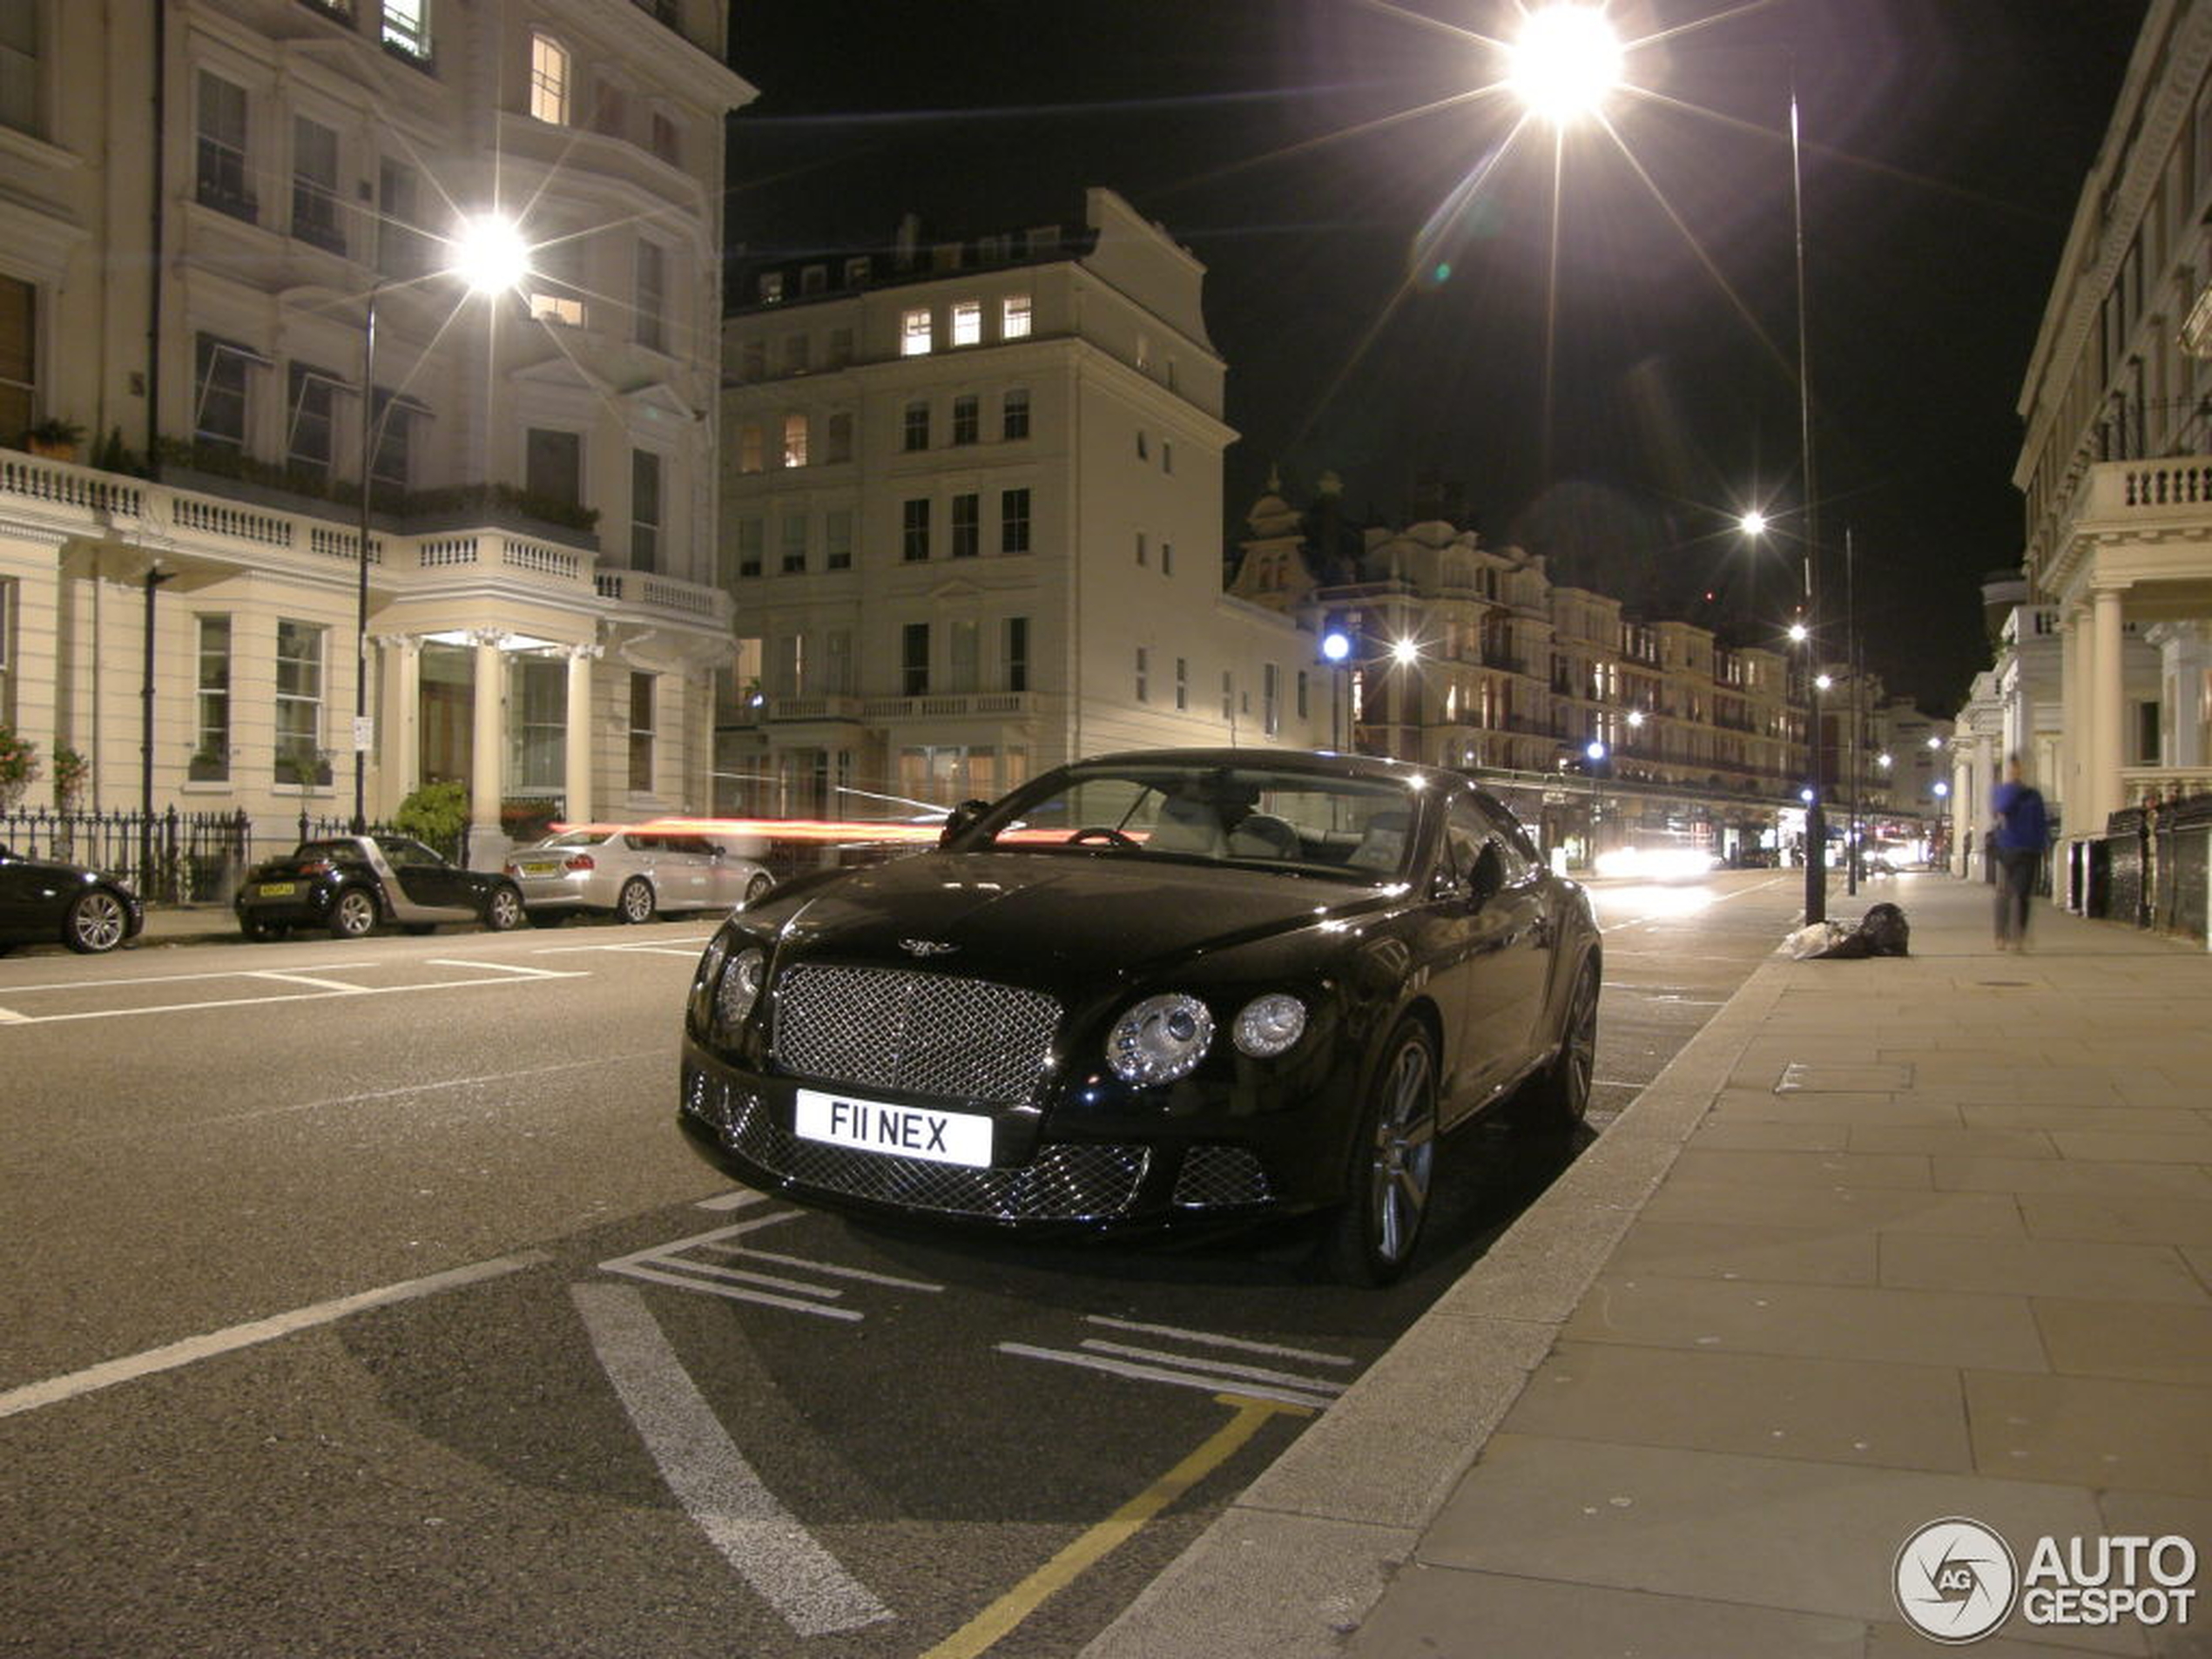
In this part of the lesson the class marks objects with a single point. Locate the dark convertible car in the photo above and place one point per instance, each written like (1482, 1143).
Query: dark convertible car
(45, 901)
(1191, 986)
(349, 883)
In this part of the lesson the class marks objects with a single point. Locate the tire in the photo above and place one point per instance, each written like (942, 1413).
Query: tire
(1558, 1098)
(1371, 1238)
(96, 922)
(757, 889)
(353, 913)
(636, 902)
(503, 909)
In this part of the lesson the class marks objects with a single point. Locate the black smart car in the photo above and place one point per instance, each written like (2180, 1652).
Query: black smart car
(347, 884)
(47, 902)
(1149, 989)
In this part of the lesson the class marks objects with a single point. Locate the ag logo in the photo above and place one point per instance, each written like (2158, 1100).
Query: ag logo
(1955, 1580)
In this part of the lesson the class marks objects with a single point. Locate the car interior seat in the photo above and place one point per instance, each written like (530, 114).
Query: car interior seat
(1382, 847)
(1262, 835)
(1187, 824)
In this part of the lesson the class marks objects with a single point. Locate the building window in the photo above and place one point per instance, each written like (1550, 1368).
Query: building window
(795, 440)
(1167, 455)
(407, 26)
(314, 185)
(553, 466)
(222, 148)
(1167, 558)
(917, 426)
(401, 249)
(837, 539)
(1228, 695)
(307, 439)
(836, 661)
(392, 464)
(967, 322)
(219, 398)
(752, 448)
(838, 446)
(645, 510)
(211, 759)
(1013, 317)
(18, 355)
(840, 347)
(19, 76)
(752, 536)
(856, 272)
(967, 526)
(771, 288)
(1142, 454)
(813, 279)
(799, 353)
(1270, 699)
(968, 419)
(559, 263)
(1182, 682)
(960, 656)
(549, 80)
(653, 295)
(1302, 695)
(667, 139)
(914, 534)
(1144, 667)
(1014, 415)
(538, 692)
(1143, 558)
(913, 659)
(298, 703)
(795, 544)
(611, 109)
(1017, 653)
(7, 607)
(914, 337)
(753, 361)
(641, 733)
(1013, 520)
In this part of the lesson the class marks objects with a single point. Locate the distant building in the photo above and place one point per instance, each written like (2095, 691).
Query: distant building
(183, 311)
(2116, 466)
(971, 505)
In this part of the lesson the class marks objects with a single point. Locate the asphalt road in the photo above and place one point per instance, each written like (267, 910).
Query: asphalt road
(363, 1300)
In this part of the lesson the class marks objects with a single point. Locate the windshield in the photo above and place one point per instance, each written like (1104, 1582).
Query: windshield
(576, 838)
(1294, 821)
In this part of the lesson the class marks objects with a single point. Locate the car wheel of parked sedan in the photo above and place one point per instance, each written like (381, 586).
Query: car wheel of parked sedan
(354, 914)
(1371, 1238)
(503, 910)
(637, 902)
(757, 889)
(1558, 1098)
(95, 922)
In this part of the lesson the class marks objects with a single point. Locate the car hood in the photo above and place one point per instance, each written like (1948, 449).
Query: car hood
(1055, 915)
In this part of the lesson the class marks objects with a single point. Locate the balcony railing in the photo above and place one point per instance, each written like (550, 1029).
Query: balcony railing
(2142, 784)
(1000, 704)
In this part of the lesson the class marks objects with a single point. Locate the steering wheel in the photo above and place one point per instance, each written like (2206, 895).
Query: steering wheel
(1107, 833)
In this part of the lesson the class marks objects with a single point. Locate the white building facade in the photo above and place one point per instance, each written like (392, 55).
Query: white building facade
(971, 503)
(209, 199)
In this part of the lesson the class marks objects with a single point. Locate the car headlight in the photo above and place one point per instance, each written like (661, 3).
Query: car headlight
(1267, 1025)
(738, 991)
(702, 991)
(1160, 1038)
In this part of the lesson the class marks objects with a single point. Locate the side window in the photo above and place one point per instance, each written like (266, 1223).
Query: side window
(1465, 831)
(1513, 846)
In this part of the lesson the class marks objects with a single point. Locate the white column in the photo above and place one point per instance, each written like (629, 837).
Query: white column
(398, 747)
(2073, 720)
(2106, 703)
(486, 761)
(2181, 658)
(576, 767)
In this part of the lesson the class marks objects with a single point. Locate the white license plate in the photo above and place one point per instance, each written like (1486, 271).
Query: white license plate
(540, 867)
(900, 1132)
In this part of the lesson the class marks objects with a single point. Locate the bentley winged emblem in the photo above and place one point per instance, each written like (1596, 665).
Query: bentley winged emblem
(926, 948)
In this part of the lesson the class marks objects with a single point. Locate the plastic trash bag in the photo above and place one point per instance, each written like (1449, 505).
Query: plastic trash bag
(1882, 932)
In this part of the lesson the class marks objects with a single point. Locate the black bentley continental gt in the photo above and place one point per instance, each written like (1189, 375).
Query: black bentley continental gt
(47, 900)
(1153, 990)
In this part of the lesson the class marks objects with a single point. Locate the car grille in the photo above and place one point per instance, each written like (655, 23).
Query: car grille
(919, 1033)
(1215, 1175)
(1063, 1182)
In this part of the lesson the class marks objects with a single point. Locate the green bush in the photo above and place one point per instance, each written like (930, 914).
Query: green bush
(437, 813)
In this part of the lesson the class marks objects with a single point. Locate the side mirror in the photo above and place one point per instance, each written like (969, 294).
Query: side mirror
(1488, 878)
(961, 819)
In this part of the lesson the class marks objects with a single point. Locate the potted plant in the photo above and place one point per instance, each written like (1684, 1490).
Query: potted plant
(70, 770)
(54, 438)
(18, 767)
(304, 765)
(207, 767)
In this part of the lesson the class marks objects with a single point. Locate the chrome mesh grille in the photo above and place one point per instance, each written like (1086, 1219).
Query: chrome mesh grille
(1064, 1182)
(1220, 1175)
(920, 1034)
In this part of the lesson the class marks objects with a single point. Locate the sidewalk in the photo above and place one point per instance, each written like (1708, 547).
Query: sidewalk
(1890, 1241)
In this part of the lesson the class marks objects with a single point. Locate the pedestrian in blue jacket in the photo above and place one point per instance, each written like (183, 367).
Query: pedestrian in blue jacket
(2022, 831)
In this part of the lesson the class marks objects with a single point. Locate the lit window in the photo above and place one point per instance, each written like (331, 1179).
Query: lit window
(548, 79)
(407, 26)
(771, 288)
(555, 307)
(1013, 317)
(967, 322)
(794, 440)
(914, 336)
(751, 449)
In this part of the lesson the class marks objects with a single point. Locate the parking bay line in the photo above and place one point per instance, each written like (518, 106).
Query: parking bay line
(31, 1396)
(986, 1627)
(765, 1543)
(1312, 1395)
(507, 976)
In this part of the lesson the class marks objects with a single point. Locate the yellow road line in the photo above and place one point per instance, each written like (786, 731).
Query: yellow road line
(985, 1629)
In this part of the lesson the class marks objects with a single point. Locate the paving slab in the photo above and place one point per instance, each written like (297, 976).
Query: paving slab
(2151, 1342)
(2094, 1432)
(1725, 1249)
(2145, 1219)
(1875, 1209)
(2041, 1267)
(1699, 1162)
(2024, 1176)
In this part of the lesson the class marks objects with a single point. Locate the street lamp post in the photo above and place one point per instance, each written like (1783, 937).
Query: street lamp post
(1816, 821)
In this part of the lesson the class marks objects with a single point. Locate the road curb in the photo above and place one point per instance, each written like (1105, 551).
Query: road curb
(1301, 1557)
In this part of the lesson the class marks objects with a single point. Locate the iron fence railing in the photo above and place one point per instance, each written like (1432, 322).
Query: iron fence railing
(170, 858)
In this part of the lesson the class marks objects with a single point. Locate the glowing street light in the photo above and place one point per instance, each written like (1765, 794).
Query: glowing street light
(1406, 653)
(1566, 60)
(1799, 633)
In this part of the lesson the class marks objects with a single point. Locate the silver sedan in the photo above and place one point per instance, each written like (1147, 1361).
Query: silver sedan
(632, 874)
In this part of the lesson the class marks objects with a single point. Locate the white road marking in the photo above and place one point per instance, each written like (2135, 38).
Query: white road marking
(31, 1396)
(659, 947)
(180, 979)
(519, 970)
(666, 1265)
(738, 1200)
(1216, 1368)
(730, 1292)
(507, 976)
(704, 1468)
(9, 1016)
(1219, 1341)
(302, 978)
(1315, 1395)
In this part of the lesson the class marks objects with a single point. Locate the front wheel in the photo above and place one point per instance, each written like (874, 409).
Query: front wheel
(1558, 1098)
(353, 914)
(95, 923)
(757, 889)
(503, 910)
(636, 903)
(1371, 1238)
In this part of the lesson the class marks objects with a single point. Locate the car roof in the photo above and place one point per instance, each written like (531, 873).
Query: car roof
(1321, 762)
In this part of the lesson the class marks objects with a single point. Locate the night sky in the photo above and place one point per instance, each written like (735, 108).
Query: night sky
(1380, 252)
